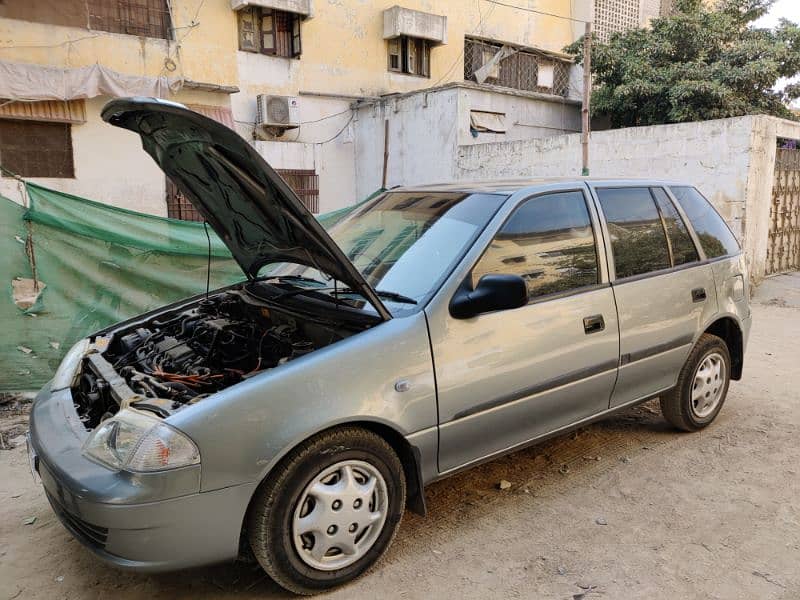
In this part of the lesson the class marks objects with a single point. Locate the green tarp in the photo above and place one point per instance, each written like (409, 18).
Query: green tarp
(96, 265)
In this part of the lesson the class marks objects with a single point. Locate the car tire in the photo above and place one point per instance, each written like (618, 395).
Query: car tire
(338, 466)
(702, 386)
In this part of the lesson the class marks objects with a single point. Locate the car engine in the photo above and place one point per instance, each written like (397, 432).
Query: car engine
(181, 357)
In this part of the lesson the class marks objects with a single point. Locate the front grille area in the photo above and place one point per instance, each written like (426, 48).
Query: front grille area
(92, 535)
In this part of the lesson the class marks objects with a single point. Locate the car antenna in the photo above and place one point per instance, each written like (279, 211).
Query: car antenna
(208, 264)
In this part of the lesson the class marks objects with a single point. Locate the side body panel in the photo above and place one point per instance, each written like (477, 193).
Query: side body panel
(661, 315)
(659, 323)
(508, 377)
(733, 290)
(243, 431)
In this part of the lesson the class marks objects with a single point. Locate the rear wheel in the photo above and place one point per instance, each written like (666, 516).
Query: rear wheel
(702, 386)
(329, 511)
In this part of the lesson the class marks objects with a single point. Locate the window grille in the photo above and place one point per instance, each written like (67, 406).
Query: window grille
(519, 71)
(149, 18)
(612, 16)
(305, 184)
(36, 148)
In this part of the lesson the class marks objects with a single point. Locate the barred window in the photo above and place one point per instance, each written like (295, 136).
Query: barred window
(36, 149)
(305, 184)
(149, 18)
(269, 31)
(522, 69)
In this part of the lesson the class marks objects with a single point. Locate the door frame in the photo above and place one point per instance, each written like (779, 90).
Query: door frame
(449, 288)
(437, 309)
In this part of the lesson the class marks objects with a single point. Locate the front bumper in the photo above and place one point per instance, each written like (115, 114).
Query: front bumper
(152, 522)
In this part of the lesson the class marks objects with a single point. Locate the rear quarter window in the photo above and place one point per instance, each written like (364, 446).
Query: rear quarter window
(638, 241)
(715, 236)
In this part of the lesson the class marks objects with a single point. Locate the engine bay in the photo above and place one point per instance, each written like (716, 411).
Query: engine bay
(180, 357)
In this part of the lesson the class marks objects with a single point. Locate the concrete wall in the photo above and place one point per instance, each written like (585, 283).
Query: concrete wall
(110, 165)
(204, 49)
(345, 58)
(344, 51)
(731, 161)
(423, 135)
(428, 129)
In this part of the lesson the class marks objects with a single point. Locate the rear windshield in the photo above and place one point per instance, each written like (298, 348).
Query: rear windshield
(715, 237)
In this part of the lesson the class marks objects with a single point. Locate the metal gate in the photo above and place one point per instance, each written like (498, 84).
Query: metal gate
(783, 250)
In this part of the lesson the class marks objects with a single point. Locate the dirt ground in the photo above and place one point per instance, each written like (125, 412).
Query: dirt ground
(627, 508)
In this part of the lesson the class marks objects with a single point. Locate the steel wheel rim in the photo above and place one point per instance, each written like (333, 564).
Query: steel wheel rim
(708, 385)
(339, 515)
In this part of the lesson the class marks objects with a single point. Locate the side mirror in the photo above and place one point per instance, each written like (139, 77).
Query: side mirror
(493, 292)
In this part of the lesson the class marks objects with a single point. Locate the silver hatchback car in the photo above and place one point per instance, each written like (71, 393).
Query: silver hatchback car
(297, 414)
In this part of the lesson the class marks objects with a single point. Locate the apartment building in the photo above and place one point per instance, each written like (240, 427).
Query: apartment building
(322, 89)
(61, 60)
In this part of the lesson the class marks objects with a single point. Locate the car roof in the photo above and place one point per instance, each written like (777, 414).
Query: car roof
(509, 186)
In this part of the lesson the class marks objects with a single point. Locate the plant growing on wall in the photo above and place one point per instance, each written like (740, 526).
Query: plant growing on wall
(699, 63)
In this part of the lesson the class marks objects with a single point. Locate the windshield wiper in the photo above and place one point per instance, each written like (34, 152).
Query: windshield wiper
(291, 278)
(389, 295)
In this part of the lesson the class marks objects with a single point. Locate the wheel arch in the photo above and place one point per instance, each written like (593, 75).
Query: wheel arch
(409, 455)
(729, 330)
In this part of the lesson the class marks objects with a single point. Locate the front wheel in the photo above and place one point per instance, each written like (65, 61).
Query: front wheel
(329, 511)
(702, 386)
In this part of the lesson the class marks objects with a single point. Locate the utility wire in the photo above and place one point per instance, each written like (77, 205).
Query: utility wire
(539, 12)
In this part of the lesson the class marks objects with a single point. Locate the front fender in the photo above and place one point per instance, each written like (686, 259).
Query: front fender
(243, 431)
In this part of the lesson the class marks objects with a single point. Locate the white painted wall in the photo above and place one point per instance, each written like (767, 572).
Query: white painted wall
(426, 130)
(110, 167)
(317, 144)
(731, 161)
(423, 134)
(713, 155)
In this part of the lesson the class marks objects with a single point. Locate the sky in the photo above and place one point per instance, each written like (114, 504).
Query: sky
(786, 9)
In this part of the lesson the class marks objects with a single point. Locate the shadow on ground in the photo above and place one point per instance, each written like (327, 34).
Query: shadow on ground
(536, 471)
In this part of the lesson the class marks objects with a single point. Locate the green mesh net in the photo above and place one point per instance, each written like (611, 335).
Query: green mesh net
(95, 265)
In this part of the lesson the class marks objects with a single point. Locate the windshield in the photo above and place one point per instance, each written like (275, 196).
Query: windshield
(405, 243)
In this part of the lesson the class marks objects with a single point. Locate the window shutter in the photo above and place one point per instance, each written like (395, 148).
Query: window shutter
(268, 33)
(395, 55)
(426, 59)
(411, 56)
(247, 30)
(297, 48)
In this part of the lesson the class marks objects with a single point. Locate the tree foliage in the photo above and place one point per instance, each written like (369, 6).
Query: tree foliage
(700, 63)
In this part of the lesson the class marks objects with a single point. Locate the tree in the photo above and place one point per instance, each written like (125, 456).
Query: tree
(700, 63)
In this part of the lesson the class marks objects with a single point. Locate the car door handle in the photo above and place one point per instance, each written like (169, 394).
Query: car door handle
(593, 324)
(698, 295)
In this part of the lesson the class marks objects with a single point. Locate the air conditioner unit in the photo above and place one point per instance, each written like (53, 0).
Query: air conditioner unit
(275, 114)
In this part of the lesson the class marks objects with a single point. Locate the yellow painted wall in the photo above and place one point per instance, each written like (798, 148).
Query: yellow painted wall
(344, 51)
(343, 47)
(205, 52)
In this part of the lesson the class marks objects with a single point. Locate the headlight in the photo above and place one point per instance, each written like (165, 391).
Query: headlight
(137, 442)
(65, 374)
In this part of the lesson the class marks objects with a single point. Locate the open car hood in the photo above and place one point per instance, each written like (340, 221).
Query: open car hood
(245, 201)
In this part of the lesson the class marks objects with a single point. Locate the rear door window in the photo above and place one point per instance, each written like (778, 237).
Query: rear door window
(681, 244)
(549, 242)
(715, 237)
(638, 242)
